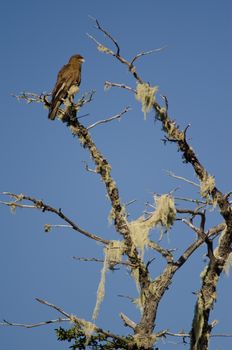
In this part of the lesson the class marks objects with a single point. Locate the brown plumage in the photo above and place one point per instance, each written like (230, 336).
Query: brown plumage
(68, 80)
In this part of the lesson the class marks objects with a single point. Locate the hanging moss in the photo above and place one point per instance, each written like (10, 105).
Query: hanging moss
(146, 95)
(113, 254)
(165, 210)
(198, 322)
(164, 215)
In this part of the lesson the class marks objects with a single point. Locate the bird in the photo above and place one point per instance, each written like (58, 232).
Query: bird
(67, 84)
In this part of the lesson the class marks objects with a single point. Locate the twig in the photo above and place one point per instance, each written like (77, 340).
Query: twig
(108, 35)
(193, 227)
(79, 322)
(111, 262)
(188, 335)
(15, 204)
(87, 168)
(214, 231)
(115, 54)
(45, 207)
(197, 201)
(164, 252)
(127, 321)
(108, 85)
(33, 325)
(117, 116)
(57, 308)
(130, 202)
(60, 226)
(143, 53)
(33, 97)
(170, 173)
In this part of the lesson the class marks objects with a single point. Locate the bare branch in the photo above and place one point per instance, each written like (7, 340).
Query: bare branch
(144, 53)
(170, 173)
(87, 168)
(108, 85)
(188, 335)
(40, 205)
(82, 323)
(33, 325)
(193, 227)
(127, 321)
(31, 97)
(117, 116)
(197, 201)
(164, 252)
(116, 54)
(14, 205)
(213, 232)
(57, 308)
(111, 262)
(109, 36)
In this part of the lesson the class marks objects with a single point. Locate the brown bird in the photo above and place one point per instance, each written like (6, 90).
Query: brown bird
(68, 81)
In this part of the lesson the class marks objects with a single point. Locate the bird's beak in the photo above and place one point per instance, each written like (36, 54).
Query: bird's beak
(82, 60)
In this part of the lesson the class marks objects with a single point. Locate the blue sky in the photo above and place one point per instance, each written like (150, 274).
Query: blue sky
(41, 158)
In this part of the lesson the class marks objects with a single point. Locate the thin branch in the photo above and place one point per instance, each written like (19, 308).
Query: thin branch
(213, 232)
(111, 262)
(87, 168)
(193, 227)
(127, 321)
(117, 116)
(15, 204)
(164, 252)
(31, 97)
(191, 200)
(144, 53)
(188, 335)
(33, 325)
(170, 173)
(108, 35)
(116, 54)
(80, 322)
(57, 308)
(194, 212)
(130, 202)
(108, 85)
(40, 205)
(60, 226)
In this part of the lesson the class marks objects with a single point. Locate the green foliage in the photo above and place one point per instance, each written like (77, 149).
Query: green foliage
(96, 341)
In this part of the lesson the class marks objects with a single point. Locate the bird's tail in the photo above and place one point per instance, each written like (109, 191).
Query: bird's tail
(53, 110)
(52, 114)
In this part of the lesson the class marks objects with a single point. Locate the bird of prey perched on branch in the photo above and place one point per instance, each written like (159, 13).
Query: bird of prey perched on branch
(67, 84)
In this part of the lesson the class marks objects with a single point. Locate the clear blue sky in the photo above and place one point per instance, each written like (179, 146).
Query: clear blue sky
(41, 158)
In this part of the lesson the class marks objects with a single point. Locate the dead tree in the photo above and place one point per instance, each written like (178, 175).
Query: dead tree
(133, 236)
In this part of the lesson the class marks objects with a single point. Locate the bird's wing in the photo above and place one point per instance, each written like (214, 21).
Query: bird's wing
(62, 79)
(67, 77)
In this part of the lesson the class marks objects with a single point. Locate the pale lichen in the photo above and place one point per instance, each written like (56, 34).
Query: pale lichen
(164, 215)
(207, 184)
(104, 49)
(13, 208)
(198, 322)
(47, 228)
(145, 342)
(146, 95)
(113, 255)
(165, 210)
(228, 264)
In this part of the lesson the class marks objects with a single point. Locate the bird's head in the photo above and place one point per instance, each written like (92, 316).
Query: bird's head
(76, 59)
